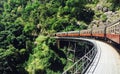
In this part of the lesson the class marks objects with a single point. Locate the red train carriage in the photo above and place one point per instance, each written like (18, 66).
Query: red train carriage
(74, 33)
(85, 33)
(99, 32)
(113, 32)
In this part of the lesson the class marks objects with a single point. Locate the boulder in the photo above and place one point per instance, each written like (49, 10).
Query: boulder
(99, 7)
(105, 9)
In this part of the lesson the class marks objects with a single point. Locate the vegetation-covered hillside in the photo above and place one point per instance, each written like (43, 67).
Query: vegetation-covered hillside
(25, 27)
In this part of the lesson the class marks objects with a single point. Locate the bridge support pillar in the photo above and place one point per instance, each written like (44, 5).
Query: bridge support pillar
(74, 51)
(58, 43)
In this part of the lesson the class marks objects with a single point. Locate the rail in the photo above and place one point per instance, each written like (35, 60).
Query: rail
(80, 66)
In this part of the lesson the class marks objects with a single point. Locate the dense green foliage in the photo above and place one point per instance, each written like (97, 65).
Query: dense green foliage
(14, 48)
(46, 16)
(45, 57)
(21, 21)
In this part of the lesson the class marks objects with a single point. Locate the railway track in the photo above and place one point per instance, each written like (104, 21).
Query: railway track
(85, 61)
(106, 59)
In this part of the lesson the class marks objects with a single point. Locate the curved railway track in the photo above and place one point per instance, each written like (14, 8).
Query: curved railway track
(105, 61)
(109, 62)
(85, 61)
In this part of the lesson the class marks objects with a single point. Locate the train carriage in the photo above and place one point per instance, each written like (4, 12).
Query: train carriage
(86, 33)
(99, 32)
(113, 32)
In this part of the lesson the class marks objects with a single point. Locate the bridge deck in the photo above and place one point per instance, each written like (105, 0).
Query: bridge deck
(107, 60)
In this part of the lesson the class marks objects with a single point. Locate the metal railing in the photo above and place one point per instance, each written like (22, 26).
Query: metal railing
(83, 63)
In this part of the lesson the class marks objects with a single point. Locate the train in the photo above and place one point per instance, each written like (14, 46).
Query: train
(109, 32)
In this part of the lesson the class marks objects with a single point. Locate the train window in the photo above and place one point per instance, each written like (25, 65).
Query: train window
(110, 30)
(107, 30)
(113, 29)
(117, 29)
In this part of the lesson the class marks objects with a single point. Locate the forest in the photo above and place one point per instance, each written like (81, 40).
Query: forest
(26, 27)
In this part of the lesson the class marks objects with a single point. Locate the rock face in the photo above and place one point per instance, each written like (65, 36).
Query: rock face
(109, 14)
(105, 9)
(102, 8)
(111, 17)
(99, 7)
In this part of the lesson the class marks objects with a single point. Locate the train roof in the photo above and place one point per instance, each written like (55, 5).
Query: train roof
(85, 30)
(72, 31)
(116, 21)
(60, 32)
